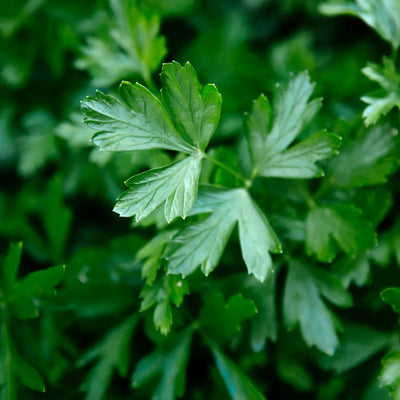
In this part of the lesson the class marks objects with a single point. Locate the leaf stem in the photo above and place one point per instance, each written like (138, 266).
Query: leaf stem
(221, 165)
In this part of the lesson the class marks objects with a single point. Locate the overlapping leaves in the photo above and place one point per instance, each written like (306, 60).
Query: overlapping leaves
(202, 243)
(184, 120)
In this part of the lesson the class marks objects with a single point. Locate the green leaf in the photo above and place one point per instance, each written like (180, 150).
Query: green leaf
(271, 133)
(381, 102)
(350, 269)
(203, 243)
(299, 160)
(383, 15)
(264, 324)
(390, 373)
(151, 255)
(38, 145)
(166, 290)
(176, 185)
(195, 110)
(38, 284)
(222, 320)
(140, 122)
(11, 266)
(131, 45)
(12, 365)
(113, 352)
(27, 374)
(169, 362)
(74, 132)
(358, 343)
(365, 161)
(337, 225)
(302, 304)
(237, 383)
(57, 219)
(392, 297)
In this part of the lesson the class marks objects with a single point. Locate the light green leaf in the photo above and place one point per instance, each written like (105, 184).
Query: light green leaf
(237, 383)
(113, 352)
(381, 102)
(382, 15)
(176, 185)
(302, 304)
(222, 319)
(203, 243)
(74, 132)
(299, 160)
(195, 110)
(292, 111)
(169, 361)
(257, 123)
(390, 374)
(365, 161)
(140, 122)
(130, 46)
(337, 225)
(269, 141)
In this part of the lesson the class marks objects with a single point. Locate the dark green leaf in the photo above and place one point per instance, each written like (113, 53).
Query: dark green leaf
(338, 224)
(366, 161)
(222, 320)
(11, 265)
(302, 304)
(113, 352)
(168, 361)
(237, 383)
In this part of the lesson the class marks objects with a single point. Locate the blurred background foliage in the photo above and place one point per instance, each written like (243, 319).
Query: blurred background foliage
(57, 191)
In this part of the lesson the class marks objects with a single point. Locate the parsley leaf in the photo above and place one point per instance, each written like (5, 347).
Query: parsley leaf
(337, 224)
(264, 324)
(221, 320)
(383, 15)
(139, 122)
(367, 160)
(390, 373)
(270, 133)
(151, 255)
(358, 343)
(166, 290)
(203, 243)
(18, 299)
(302, 304)
(236, 382)
(19, 295)
(382, 101)
(195, 110)
(113, 352)
(131, 46)
(176, 185)
(169, 361)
